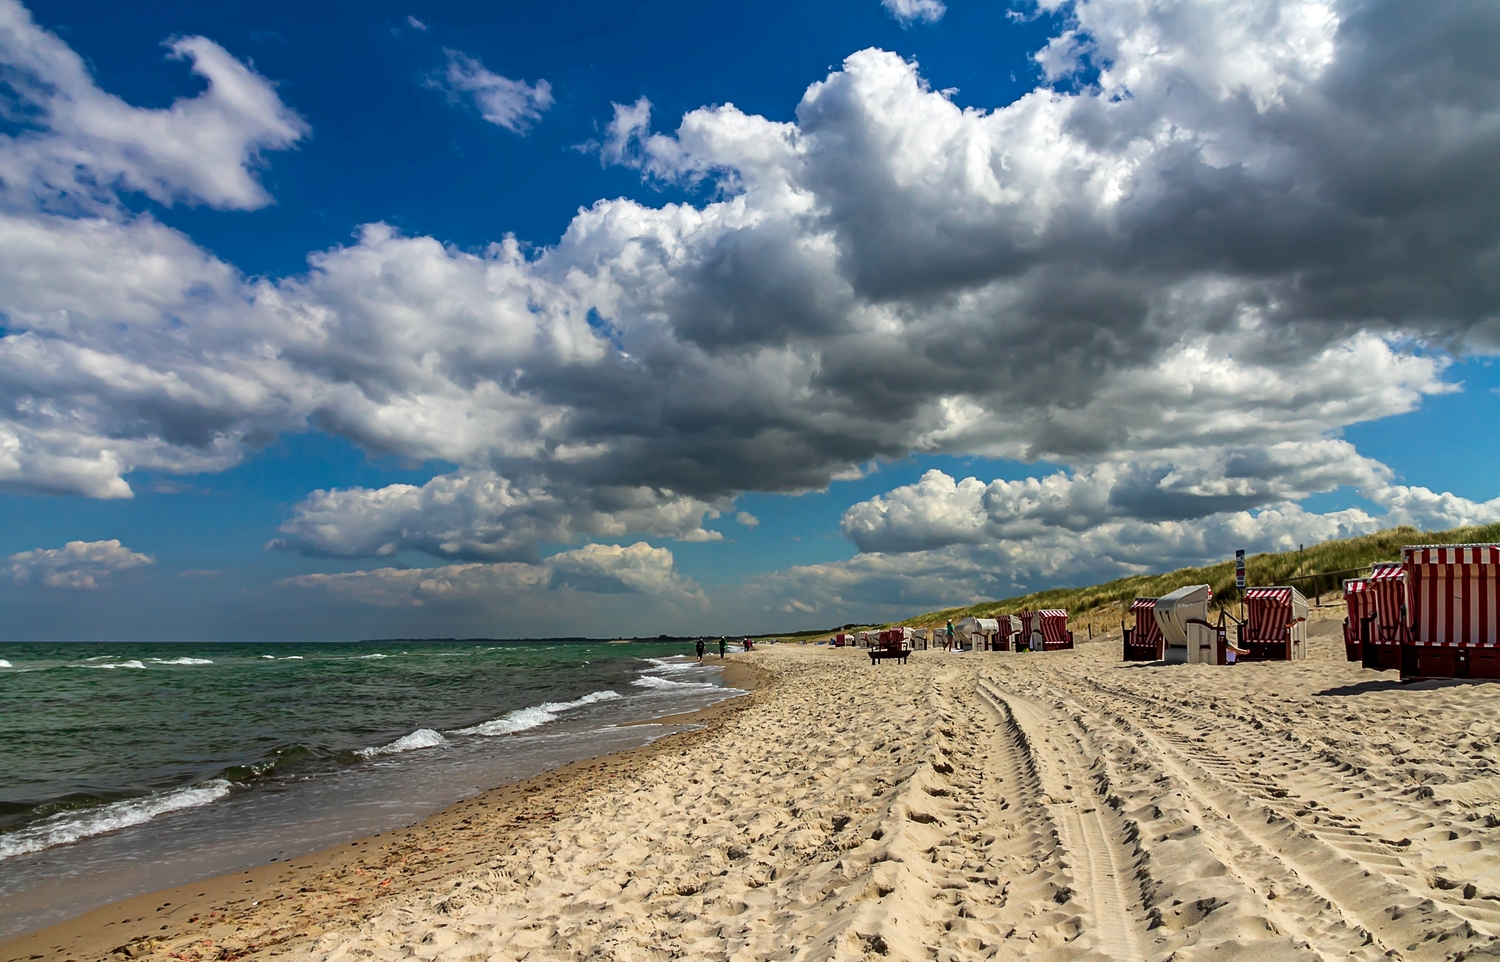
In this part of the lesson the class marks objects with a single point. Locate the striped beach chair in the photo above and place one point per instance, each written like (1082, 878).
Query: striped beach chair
(1275, 627)
(1008, 634)
(1388, 632)
(1030, 637)
(1054, 629)
(1143, 642)
(1453, 598)
(1359, 622)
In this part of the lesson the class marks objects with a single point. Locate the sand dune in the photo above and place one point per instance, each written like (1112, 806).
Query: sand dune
(1001, 806)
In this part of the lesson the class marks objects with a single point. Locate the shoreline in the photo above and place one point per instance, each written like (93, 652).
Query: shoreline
(344, 883)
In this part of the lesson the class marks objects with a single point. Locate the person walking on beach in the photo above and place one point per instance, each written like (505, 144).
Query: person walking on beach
(700, 651)
(948, 644)
(723, 646)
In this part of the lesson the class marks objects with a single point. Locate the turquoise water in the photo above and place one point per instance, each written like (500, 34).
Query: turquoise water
(214, 755)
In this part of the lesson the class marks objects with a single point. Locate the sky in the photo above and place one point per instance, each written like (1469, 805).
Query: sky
(510, 320)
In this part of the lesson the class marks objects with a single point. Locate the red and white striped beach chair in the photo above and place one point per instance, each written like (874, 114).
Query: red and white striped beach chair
(1009, 633)
(1275, 626)
(1453, 596)
(1143, 642)
(1388, 632)
(1359, 622)
(1054, 628)
(1027, 621)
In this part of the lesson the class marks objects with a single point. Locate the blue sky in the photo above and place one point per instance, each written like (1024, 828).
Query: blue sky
(934, 312)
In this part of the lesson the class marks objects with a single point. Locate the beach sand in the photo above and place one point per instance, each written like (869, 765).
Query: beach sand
(963, 806)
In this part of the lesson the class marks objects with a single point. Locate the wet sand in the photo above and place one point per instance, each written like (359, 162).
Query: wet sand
(972, 806)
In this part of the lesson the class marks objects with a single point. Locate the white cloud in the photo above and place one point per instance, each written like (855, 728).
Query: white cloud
(1180, 485)
(77, 145)
(747, 519)
(77, 564)
(512, 104)
(415, 24)
(594, 569)
(473, 515)
(910, 11)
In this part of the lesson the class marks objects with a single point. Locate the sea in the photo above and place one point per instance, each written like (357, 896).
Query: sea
(127, 768)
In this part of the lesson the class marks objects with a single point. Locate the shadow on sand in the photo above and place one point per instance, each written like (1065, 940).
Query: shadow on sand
(1393, 684)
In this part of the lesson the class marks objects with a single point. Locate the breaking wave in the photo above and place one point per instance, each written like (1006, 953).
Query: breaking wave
(525, 718)
(67, 827)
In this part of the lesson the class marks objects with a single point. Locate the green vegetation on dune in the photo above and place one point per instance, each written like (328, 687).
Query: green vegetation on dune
(1260, 569)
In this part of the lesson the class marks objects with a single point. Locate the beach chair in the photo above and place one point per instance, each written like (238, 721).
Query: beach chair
(1359, 622)
(1031, 632)
(1453, 628)
(891, 643)
(1008, 627)
(1388, 632)
(1053, 624)
(977, 633)
(1143, 641)
(1275, 627)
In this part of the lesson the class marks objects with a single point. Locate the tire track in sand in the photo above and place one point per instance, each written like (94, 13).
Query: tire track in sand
(1387, 915)
(1102, 866)
(1339, 801)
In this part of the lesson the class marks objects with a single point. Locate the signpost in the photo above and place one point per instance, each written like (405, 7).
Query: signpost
(1239, 579)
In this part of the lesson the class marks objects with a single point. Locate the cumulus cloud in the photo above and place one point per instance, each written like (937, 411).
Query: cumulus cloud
(1178, 485)
(747, 519)
(911, 11)
(77, 564)
(512, 104)
(593, 568)
(1258, 224)
(474, 515)
(939, 511)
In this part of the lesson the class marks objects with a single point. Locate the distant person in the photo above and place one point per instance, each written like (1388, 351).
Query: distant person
(723, 647)
(948, 642)
(700, 651)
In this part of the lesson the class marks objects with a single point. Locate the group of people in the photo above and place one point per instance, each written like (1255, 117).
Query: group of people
(723, 647)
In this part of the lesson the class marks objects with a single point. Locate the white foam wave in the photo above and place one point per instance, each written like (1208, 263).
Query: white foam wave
(673, 666)
(5, 664)
(526, 718)
(132, 663)
(269, 657)
(65, 828)
(365, 657)
(652, 681)
(181, 661)
(421, 738)
(282, 658)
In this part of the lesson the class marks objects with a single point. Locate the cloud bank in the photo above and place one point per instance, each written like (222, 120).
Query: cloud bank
(592, 569)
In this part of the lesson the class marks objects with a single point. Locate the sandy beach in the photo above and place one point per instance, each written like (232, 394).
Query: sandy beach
(963, 806)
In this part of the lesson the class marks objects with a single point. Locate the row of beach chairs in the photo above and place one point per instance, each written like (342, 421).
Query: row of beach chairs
(1045, 630)
(1433, 614)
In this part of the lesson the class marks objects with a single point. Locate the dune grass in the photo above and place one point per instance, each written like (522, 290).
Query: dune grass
(1101, 604)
